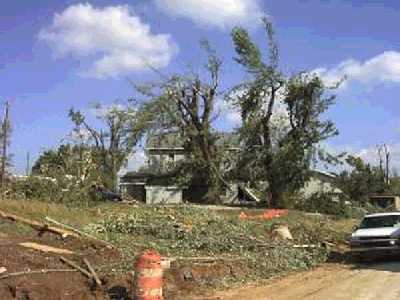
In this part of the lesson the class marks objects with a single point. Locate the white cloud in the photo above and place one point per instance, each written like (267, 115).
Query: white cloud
(371, 156)
(219, 13)
(368, 154)
(117, 40)
(382, 68)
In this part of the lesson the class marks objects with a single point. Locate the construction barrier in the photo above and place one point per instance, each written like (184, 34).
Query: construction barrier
(148, 278)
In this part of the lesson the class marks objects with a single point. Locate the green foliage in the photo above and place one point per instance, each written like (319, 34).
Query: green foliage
(121, 130)
(190, 231)
(282, 159)
(361, 181)
(328, 204)
(184, 103)
(64, 190)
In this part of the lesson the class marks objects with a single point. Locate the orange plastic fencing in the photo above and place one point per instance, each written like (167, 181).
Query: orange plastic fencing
(148, 277)
(267, 215)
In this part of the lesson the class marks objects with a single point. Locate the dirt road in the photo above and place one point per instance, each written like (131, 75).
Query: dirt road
(369, 281)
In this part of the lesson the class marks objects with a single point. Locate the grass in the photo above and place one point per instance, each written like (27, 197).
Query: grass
(198, 231)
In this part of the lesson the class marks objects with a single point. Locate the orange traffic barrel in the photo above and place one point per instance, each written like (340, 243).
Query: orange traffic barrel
(148, 277)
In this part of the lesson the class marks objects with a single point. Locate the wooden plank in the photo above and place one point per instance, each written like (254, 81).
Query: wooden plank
(249, 193)
(45, 248)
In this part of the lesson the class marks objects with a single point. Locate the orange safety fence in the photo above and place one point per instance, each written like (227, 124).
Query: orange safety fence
(267, 215)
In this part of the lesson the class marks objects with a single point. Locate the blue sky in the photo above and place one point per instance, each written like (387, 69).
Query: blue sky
(58, 54)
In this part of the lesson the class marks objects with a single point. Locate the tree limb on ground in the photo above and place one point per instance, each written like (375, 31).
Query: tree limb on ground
(37, 225)
(76, 267)
(77, 231)
(94, 274)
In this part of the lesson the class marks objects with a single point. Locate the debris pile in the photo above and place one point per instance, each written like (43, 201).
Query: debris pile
(262, 247)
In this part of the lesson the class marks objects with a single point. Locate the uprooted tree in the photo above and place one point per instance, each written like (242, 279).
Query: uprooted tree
(186, 103)
(282, 160)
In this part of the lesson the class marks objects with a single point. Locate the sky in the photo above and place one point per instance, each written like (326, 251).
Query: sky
(55, 55)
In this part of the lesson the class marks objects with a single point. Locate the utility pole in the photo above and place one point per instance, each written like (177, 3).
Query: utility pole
(28, 164)
(5, 133)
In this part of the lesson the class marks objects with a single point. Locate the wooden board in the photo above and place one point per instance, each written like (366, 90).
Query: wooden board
(45, 248)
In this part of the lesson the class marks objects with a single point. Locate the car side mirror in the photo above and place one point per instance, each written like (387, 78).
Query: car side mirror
(355, 227)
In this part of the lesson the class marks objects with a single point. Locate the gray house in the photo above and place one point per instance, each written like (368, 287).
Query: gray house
(321, 183)
(155, 181)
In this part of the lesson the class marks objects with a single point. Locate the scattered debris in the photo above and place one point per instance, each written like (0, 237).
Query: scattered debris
(37, 225)
(45, 248)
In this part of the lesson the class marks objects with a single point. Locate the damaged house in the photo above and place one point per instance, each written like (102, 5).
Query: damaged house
(155, 182)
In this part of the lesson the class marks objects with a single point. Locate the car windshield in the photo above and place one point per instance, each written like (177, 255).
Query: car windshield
(381, 221)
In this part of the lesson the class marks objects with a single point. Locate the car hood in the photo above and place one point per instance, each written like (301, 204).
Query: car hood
(384, 231)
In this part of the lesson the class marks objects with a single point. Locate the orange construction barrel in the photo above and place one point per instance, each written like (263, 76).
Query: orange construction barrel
(148, 277)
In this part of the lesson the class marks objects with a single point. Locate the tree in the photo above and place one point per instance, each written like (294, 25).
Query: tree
(185, 103)
(68, 159)
(112, 143)
(5, 137)
(361, 180)
(284, 162)
(384, 162)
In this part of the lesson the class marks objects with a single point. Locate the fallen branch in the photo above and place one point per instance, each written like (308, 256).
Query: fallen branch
(77, 231)
(44, 271)
(37, 225)
(76, 267)
(45, 248)
(306, 246)
(94, 274)
(207, 258)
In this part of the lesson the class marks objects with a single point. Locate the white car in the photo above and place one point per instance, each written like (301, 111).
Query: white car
(377, 234)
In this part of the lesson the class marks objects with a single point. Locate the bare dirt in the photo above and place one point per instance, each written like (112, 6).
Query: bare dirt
(55, 286)
(366, 281)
